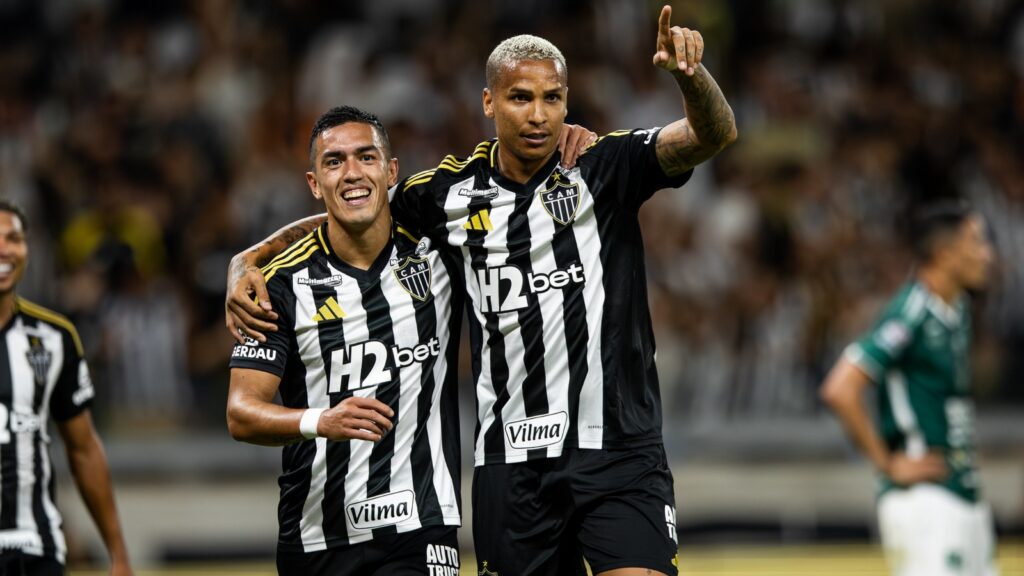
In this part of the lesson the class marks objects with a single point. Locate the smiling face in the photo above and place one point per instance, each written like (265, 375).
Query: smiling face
(528, 105)
(13, 251)
(351, 174)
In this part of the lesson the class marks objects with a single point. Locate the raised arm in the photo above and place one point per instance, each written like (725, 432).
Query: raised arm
(247, 310)
(88, 465)
(709, 125)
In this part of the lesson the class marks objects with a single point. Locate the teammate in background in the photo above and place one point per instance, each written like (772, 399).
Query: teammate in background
(932, 520)
(569, 451)
(43, 374)
(366, 332)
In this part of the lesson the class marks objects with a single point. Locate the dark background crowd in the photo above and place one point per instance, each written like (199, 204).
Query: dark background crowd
(150, 141)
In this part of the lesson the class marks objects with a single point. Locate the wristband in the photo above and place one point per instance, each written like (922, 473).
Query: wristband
(308, 424)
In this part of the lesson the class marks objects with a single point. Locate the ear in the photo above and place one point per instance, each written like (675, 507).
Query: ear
(392, 172)
(488, 103)
(314, 187)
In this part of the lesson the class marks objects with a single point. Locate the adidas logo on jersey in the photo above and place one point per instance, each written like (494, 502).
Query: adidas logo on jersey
(329, 311)
(502, 287)
(537, 431)
(480, 221)
(380, 511)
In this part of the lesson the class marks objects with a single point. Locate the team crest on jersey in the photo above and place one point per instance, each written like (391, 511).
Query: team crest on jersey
(414, 276)
(561, 198)
(39, 359)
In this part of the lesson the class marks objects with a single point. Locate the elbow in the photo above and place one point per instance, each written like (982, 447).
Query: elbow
(236, 425)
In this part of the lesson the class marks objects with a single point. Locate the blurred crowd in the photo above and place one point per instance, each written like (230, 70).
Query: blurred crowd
(150, 141)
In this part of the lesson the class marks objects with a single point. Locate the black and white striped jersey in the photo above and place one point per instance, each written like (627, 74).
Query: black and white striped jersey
(387, 333)
(42, 373)
(563, 350)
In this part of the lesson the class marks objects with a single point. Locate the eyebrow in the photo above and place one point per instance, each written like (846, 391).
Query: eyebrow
(338, 153)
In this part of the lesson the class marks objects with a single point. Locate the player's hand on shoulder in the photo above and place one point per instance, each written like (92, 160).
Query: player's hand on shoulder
(247, 310)
(572, 142)
(356, 418)
(678, 48)
(905, 471)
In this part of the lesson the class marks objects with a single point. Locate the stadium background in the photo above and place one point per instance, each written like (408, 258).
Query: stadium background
(149, 141)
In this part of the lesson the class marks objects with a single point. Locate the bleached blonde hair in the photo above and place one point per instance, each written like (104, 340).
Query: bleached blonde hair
(513, 50)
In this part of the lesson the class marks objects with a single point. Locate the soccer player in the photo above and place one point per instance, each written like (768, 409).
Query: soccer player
(932, 520)
(43, 374)
(367, 329)
(569, 453)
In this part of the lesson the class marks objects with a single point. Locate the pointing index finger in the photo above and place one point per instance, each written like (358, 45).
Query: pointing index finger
(664, 21)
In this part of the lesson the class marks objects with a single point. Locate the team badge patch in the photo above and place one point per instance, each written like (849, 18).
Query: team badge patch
(561, 198)
(414, 276)
(39, 359)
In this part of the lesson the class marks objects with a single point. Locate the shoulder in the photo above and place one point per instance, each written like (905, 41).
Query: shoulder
(909, 306)
(54, 319)
(451, 169)
(618, 138)
(295, 257)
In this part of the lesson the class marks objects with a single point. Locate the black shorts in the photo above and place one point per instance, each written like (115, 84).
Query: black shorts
(17, 563)
(430, 551)
(616, 508)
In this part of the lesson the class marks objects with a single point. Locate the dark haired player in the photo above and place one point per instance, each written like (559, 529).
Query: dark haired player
(569, 453)
(932, 520)
(366, 334)
(43, 375)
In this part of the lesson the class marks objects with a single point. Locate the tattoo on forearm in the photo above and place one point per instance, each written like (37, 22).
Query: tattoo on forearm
(292, 234)
(706, 107)
(708, 127)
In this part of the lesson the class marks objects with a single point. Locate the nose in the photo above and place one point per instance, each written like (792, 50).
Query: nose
(537, 115)
(353, 170)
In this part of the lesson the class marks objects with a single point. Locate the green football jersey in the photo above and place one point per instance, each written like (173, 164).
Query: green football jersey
(918, 355)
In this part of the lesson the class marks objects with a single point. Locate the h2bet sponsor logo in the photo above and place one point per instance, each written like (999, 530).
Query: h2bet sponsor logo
(442, 560)
(505, 288)
(537, 432)
(383, 510)
(371, 363)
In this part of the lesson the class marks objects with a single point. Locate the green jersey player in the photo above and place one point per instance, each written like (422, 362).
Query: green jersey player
(932, 521)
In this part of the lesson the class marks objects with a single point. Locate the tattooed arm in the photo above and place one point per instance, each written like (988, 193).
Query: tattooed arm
(709, 125)
(247, 310)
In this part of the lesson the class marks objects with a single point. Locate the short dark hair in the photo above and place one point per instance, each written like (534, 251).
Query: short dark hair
(9, 206)
(935, 222)
(343, 115)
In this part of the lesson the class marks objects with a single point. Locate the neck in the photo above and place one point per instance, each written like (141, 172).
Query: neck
(940, 283)
(359, 248)
(8, 305)
(516, 169)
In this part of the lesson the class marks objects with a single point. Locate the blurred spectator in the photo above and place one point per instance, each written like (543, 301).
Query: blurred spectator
(151, 141)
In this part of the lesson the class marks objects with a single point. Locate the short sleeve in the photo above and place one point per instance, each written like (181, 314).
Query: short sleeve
(272, 355)
(414, 205)
(626, 163)
(74, 391)
(881, 348)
